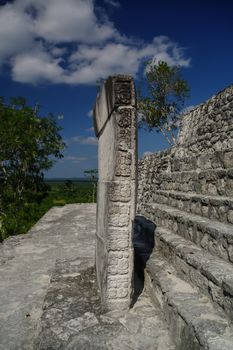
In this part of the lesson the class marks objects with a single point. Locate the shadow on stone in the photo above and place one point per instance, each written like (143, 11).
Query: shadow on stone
(144, 242)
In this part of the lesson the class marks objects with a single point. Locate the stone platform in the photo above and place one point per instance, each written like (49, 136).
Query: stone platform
(49, 297)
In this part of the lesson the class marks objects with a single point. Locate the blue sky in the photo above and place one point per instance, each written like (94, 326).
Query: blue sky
(53, 51)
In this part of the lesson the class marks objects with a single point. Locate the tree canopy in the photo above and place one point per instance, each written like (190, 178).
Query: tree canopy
(167, 91)
(29, 145)
(92, 175)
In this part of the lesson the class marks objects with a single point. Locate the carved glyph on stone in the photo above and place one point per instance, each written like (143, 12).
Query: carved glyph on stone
(115, 127)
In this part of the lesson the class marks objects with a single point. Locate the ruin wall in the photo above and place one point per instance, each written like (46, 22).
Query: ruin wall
(202, 162)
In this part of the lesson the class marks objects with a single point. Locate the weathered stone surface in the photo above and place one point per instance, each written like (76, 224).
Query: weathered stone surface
(214, 207)
(117, 91)
(73, 319)
(115, 125)
(193, 264)
(187, 192)
(50, 298)
(214, 236)
(194, 322)
(202, 162)
(26, 265)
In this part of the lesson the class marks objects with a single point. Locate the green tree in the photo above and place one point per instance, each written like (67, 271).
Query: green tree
(69, 186)
(92, 175)
(167, 91)
(29, 145)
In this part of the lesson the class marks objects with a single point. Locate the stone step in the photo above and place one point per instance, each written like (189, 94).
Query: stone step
(186, 160)
(213, 236)
(204, 161)
(213, 207)
(194, 323)
(209, 273)
(210, 182)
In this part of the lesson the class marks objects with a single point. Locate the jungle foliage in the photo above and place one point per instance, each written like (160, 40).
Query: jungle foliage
(29, 145)
(161, 108)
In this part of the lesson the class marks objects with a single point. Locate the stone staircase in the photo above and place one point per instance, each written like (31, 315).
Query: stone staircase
(184, 231)
(184, 246)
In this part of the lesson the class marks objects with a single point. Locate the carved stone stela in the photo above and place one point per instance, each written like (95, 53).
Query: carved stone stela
(115, 127)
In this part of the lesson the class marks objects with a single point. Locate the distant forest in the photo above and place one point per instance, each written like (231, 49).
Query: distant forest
(29, 146)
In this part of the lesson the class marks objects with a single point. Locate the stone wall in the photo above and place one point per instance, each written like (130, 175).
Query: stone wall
(115, 127)
(208, 127)
(203, 160)
(186, 195)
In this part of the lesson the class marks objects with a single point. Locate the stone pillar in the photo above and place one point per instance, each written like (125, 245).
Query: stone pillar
(116, 128)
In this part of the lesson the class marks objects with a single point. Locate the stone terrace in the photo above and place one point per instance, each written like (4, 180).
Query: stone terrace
(186, 193)
(49, 295)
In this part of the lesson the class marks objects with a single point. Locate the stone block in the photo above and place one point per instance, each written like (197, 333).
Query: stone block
(123, 163)
(120, 191)
(119, 214)
(116, 91)
(118, 239)
(115, 127)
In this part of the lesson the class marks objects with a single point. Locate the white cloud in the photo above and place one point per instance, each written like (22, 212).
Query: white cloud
(36, 67)
(91, 63)
(57, 41)
(163, 49)
(90, 113)
(90, 129)
(90, 140)
(58, 51)
(16, 34)
(188, 109)
(75, 159)
(71, 20)
(113, 3)
(148, 153)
